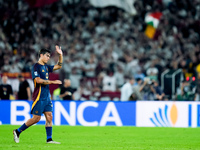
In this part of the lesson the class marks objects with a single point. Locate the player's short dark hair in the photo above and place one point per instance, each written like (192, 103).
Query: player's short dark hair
(44, 51)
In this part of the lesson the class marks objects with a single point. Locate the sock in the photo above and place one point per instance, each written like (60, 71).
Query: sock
(49, 132)
(22, 128)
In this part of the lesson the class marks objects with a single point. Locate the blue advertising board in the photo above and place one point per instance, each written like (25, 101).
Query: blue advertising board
(86, 113)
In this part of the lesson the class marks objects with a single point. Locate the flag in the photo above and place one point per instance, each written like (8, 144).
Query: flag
(127, 5)
(152, 20)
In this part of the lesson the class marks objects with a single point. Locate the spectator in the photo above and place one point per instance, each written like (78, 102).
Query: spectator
(5, 89)
(56, 94)
(119, 75)
(157, 91)
(66, 67)
(6, 67)
(152, 72)
(109, 82)
(74, 79)
(141, 84)
(89, 68)
(197, 94)
(83, 92)
(127, 90)
(139, 75)
(186, 91)
(66, 92)
(148, 94)
(138, 89)
(24, 92)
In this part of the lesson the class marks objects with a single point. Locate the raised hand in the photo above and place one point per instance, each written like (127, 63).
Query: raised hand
(58, 50)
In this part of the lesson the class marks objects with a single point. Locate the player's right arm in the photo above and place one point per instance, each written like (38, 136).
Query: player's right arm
(38, 80)
(45, 82)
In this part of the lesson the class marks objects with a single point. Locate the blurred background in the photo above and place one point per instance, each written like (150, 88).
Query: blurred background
(152, 44)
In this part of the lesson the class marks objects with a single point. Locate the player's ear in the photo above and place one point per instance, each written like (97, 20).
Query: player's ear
(40, 55)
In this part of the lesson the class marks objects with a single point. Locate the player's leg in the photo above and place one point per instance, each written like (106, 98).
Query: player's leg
(37, 110)
(48, 125)
(33, 120)
(26, 125)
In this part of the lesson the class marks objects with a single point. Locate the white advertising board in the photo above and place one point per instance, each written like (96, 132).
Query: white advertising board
(167, 114)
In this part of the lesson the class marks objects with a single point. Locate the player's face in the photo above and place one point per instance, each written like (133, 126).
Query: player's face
(46, 57)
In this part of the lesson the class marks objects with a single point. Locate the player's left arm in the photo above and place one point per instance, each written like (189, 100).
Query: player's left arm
(60, 61)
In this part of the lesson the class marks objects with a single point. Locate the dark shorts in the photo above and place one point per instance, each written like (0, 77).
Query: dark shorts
(42, 106)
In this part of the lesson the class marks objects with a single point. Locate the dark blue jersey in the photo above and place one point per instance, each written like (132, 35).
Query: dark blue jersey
(41, 91)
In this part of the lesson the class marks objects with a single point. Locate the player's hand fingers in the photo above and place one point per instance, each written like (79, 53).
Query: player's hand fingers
(59, 82)
(57, 47)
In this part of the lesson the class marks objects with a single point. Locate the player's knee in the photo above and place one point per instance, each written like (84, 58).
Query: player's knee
(50, 117)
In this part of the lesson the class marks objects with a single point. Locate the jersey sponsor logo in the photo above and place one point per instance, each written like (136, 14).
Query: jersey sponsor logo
(42, 70)
(35, 73)
(163, 118)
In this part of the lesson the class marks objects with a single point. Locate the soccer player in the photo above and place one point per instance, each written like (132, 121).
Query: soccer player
(41, 95)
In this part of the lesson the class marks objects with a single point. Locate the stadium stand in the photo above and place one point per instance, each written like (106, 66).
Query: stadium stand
(95, 40)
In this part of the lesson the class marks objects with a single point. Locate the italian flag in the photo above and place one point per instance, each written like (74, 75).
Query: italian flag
(152, 20)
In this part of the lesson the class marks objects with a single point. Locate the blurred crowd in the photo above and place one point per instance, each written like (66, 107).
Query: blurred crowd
(106, 44)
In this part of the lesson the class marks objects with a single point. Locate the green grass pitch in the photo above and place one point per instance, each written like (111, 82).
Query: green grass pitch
(102, 138)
